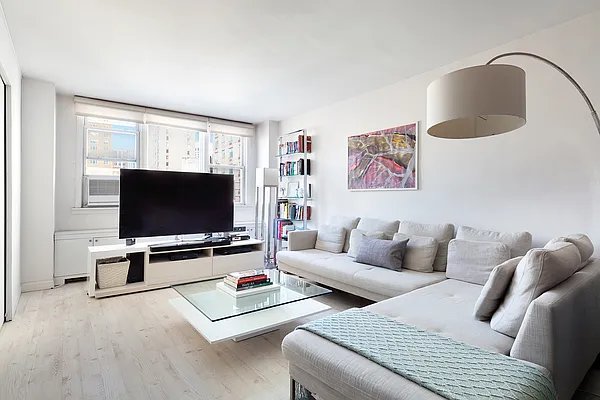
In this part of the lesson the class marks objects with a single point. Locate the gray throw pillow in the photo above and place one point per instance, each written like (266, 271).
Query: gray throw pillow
(382, 253)
(540, 270)
(494, 289)
(356, 237)
(583, 244)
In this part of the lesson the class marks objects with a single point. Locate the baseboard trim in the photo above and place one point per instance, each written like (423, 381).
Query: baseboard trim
(38, 285)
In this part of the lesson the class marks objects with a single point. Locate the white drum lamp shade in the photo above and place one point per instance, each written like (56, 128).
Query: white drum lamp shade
(475, 102)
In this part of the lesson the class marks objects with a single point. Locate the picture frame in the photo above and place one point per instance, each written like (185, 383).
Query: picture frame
(386, 159)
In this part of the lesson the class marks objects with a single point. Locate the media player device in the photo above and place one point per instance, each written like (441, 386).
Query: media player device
(211, 242)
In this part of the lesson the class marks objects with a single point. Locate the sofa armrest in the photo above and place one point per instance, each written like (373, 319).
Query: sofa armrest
(561, 329)
(302, 240)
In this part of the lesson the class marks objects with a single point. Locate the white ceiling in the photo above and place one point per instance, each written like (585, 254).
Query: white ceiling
(263, 59)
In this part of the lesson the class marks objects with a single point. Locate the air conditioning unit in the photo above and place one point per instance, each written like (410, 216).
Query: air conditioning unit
(100, 191)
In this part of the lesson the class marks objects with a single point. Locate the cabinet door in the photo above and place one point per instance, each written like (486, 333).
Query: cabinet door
(107, 240)
(70, 256)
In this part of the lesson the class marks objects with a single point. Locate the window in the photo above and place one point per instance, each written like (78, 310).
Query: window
(109, 144)
(226, 155)
(169, 149)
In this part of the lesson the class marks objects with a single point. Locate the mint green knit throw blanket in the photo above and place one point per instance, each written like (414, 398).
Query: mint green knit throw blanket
(452, 369)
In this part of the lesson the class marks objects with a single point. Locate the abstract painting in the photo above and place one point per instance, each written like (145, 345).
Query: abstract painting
(383, 160)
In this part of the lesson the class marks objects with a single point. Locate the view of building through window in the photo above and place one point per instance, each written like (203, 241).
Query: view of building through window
(226, 156)
(174, 149)
(112, 145)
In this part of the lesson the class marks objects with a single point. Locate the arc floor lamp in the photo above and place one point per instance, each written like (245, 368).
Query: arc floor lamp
(484, 100)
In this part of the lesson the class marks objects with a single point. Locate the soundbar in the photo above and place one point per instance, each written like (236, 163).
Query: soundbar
(196, 244)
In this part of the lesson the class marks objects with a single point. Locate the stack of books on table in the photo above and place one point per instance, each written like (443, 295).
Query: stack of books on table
(245, 280)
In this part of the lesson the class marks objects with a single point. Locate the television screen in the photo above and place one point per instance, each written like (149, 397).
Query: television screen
(161, 203)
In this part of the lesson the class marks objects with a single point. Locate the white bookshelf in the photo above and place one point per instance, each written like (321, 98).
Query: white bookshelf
(295, 189)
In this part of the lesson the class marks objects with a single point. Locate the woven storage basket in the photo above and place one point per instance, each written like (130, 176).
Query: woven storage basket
(112, 272)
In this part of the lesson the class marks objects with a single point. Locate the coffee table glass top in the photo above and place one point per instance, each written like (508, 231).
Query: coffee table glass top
(217, 305)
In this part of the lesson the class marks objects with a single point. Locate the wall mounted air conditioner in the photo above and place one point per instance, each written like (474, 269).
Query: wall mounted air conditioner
(100, 191)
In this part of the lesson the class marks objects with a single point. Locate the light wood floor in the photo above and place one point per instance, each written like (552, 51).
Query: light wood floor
(63, 345)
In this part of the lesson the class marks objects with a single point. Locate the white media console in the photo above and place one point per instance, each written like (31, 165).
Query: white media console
(155, 269)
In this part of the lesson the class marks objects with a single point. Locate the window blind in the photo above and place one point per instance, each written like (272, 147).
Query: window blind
(87, 107)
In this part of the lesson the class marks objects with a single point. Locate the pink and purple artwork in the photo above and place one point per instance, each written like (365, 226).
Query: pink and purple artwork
(383, 160)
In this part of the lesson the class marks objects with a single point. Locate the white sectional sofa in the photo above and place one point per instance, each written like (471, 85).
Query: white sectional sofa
(560, 331)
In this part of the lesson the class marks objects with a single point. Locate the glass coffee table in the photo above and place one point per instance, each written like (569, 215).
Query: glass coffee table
(218, 315)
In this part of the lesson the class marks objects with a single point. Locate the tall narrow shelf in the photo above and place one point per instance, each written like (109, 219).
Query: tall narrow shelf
(294, 204)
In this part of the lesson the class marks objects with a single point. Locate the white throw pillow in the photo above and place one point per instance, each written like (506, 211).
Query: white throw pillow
(583, 244)
(473, 262)
(330, 238)
(539, 271)
(378, 225)
(420, 252)
(348, 223)
(440, 232)
(356, 237)
(518, 242)
(494, 289)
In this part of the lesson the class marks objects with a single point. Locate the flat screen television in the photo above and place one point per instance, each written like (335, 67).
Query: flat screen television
(164, 203)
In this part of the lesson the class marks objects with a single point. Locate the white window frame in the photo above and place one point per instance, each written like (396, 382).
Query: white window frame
(141, 160)
(243, 168)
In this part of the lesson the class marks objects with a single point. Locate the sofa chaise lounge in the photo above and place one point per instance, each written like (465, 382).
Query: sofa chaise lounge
(560, 331)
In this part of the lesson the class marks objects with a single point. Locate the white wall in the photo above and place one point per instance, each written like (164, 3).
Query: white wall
(11, 74)
(544, 178)
(37, 201)
(68, 215)
(267, 133)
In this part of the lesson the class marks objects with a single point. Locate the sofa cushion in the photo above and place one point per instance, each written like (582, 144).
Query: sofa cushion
(583, 244)
(494, 289)
(304, 259)
(474, 261)
(519, 242)
(348, 223)
(341, 268)
(442, 233)
(330, 238)
(378, 225)
(356, 236)
(321, 263)
(392, 283)
(538, 271)
(445, 308)
(420, 252)
(335, 372)
(382, 253)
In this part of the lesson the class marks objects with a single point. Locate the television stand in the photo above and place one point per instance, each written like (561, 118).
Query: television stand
(190, 244)
(163, 268)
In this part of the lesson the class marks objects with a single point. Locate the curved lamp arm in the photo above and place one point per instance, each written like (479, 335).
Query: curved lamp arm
(562, 71)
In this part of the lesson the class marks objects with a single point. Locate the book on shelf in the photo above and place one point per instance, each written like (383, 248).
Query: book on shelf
(293, 211)
(296, 146)
(280, 227)
(291, 168)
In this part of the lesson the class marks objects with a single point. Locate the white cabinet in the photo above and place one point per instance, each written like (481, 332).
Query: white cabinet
(71, 250)
(106, 240)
